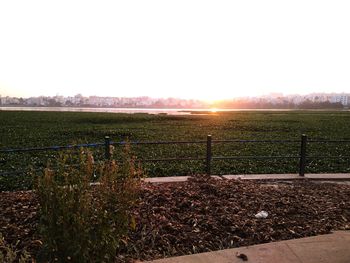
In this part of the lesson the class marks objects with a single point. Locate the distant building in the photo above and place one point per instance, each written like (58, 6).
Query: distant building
(36, 101)
(344, 99)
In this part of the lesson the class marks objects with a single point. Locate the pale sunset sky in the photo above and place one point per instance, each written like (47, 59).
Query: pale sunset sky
(184, 48)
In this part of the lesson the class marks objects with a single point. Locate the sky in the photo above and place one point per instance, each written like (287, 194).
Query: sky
(174, 48)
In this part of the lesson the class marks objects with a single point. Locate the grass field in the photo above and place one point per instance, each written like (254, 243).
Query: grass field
(35, 129)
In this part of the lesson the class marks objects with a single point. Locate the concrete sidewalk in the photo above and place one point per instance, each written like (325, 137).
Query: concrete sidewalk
(260, 177)
(332, 248)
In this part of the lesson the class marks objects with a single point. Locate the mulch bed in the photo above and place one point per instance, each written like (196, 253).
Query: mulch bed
(205, 214)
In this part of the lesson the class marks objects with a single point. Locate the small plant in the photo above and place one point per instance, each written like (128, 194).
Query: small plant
(8, 254)
(80, 222)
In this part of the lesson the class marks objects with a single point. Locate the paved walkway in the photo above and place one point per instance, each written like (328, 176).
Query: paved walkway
(332, 248)
(287, 177)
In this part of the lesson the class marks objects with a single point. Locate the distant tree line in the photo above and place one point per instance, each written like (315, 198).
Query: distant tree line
(264, 104)
(320, 105)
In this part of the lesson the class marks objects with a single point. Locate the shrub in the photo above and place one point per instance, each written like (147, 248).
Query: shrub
(80, 222)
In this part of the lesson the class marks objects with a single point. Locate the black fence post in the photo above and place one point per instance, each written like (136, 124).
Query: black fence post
(209, 155)
(302, 163)
(107, 148)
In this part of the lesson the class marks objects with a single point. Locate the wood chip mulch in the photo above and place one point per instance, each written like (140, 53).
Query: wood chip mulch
(204, 214)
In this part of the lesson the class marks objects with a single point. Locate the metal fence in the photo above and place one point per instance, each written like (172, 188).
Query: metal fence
(209, 158)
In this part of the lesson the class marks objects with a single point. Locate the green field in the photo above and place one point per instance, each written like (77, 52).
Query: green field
(36, 129)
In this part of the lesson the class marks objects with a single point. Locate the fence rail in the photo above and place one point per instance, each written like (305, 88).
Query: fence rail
(52, 148)
(209, 158)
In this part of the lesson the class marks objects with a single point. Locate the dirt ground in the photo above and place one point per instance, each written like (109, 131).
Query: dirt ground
(204, 214)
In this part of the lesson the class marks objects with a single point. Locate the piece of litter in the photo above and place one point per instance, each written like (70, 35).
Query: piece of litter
(262, 214)
(242, 256)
